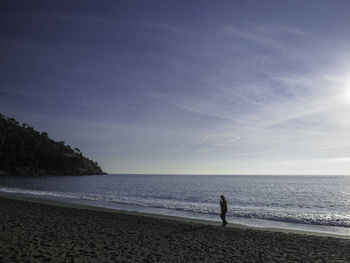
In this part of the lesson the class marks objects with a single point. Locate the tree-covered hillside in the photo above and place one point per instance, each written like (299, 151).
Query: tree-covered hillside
(25, 151)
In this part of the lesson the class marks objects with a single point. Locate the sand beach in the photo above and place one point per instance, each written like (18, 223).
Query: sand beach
(37, 230)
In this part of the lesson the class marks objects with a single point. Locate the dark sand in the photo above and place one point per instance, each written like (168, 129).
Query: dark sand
(37, 232)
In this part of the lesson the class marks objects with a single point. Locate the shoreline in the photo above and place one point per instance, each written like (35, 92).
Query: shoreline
(167, 217)
(36, 230)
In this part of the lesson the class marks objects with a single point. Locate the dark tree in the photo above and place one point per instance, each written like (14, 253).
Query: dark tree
(25, 151)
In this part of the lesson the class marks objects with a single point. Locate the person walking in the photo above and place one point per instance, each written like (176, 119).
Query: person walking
(223, 206)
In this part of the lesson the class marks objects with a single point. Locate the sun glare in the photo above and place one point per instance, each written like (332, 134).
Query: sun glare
(347, 92)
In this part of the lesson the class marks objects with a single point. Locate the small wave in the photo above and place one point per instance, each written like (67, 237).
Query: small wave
(326, 219)
(264, 214)
(66, 195)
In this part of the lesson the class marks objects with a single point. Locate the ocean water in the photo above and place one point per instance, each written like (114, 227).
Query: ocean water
(313, 203)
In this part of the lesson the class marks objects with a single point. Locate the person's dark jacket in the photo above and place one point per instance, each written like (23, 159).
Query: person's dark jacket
(223, 205)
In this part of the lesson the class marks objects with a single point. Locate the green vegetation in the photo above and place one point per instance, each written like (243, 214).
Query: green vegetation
(25, 151)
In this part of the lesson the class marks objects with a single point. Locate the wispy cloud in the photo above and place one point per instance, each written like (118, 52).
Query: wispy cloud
(219, 93)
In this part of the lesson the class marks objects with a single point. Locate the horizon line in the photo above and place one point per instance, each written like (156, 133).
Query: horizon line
(228, 174)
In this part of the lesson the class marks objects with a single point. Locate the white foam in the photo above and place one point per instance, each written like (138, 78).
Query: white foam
(280, 215)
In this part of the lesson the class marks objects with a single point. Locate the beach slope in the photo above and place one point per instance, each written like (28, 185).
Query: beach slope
(37, 232)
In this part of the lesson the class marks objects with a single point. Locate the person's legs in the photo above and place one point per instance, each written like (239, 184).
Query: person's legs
(223, 215)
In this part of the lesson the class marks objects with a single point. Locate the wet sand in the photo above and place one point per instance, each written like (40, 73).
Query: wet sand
(48, 231)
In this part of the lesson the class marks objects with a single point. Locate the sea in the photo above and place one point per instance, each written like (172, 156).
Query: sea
(310, 203)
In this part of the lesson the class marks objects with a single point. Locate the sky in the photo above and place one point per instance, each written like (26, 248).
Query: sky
(184, 87)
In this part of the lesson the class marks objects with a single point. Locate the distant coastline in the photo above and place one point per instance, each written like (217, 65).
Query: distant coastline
(25, 151)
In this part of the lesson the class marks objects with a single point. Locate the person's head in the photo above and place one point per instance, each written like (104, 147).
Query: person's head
(223, 198)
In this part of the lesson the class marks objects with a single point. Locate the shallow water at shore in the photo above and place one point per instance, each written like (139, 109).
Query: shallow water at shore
(313, 203)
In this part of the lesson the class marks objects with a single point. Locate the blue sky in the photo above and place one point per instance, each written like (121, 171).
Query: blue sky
(194, 87)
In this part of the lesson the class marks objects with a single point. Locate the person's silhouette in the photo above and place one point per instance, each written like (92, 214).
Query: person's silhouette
(223, 206)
